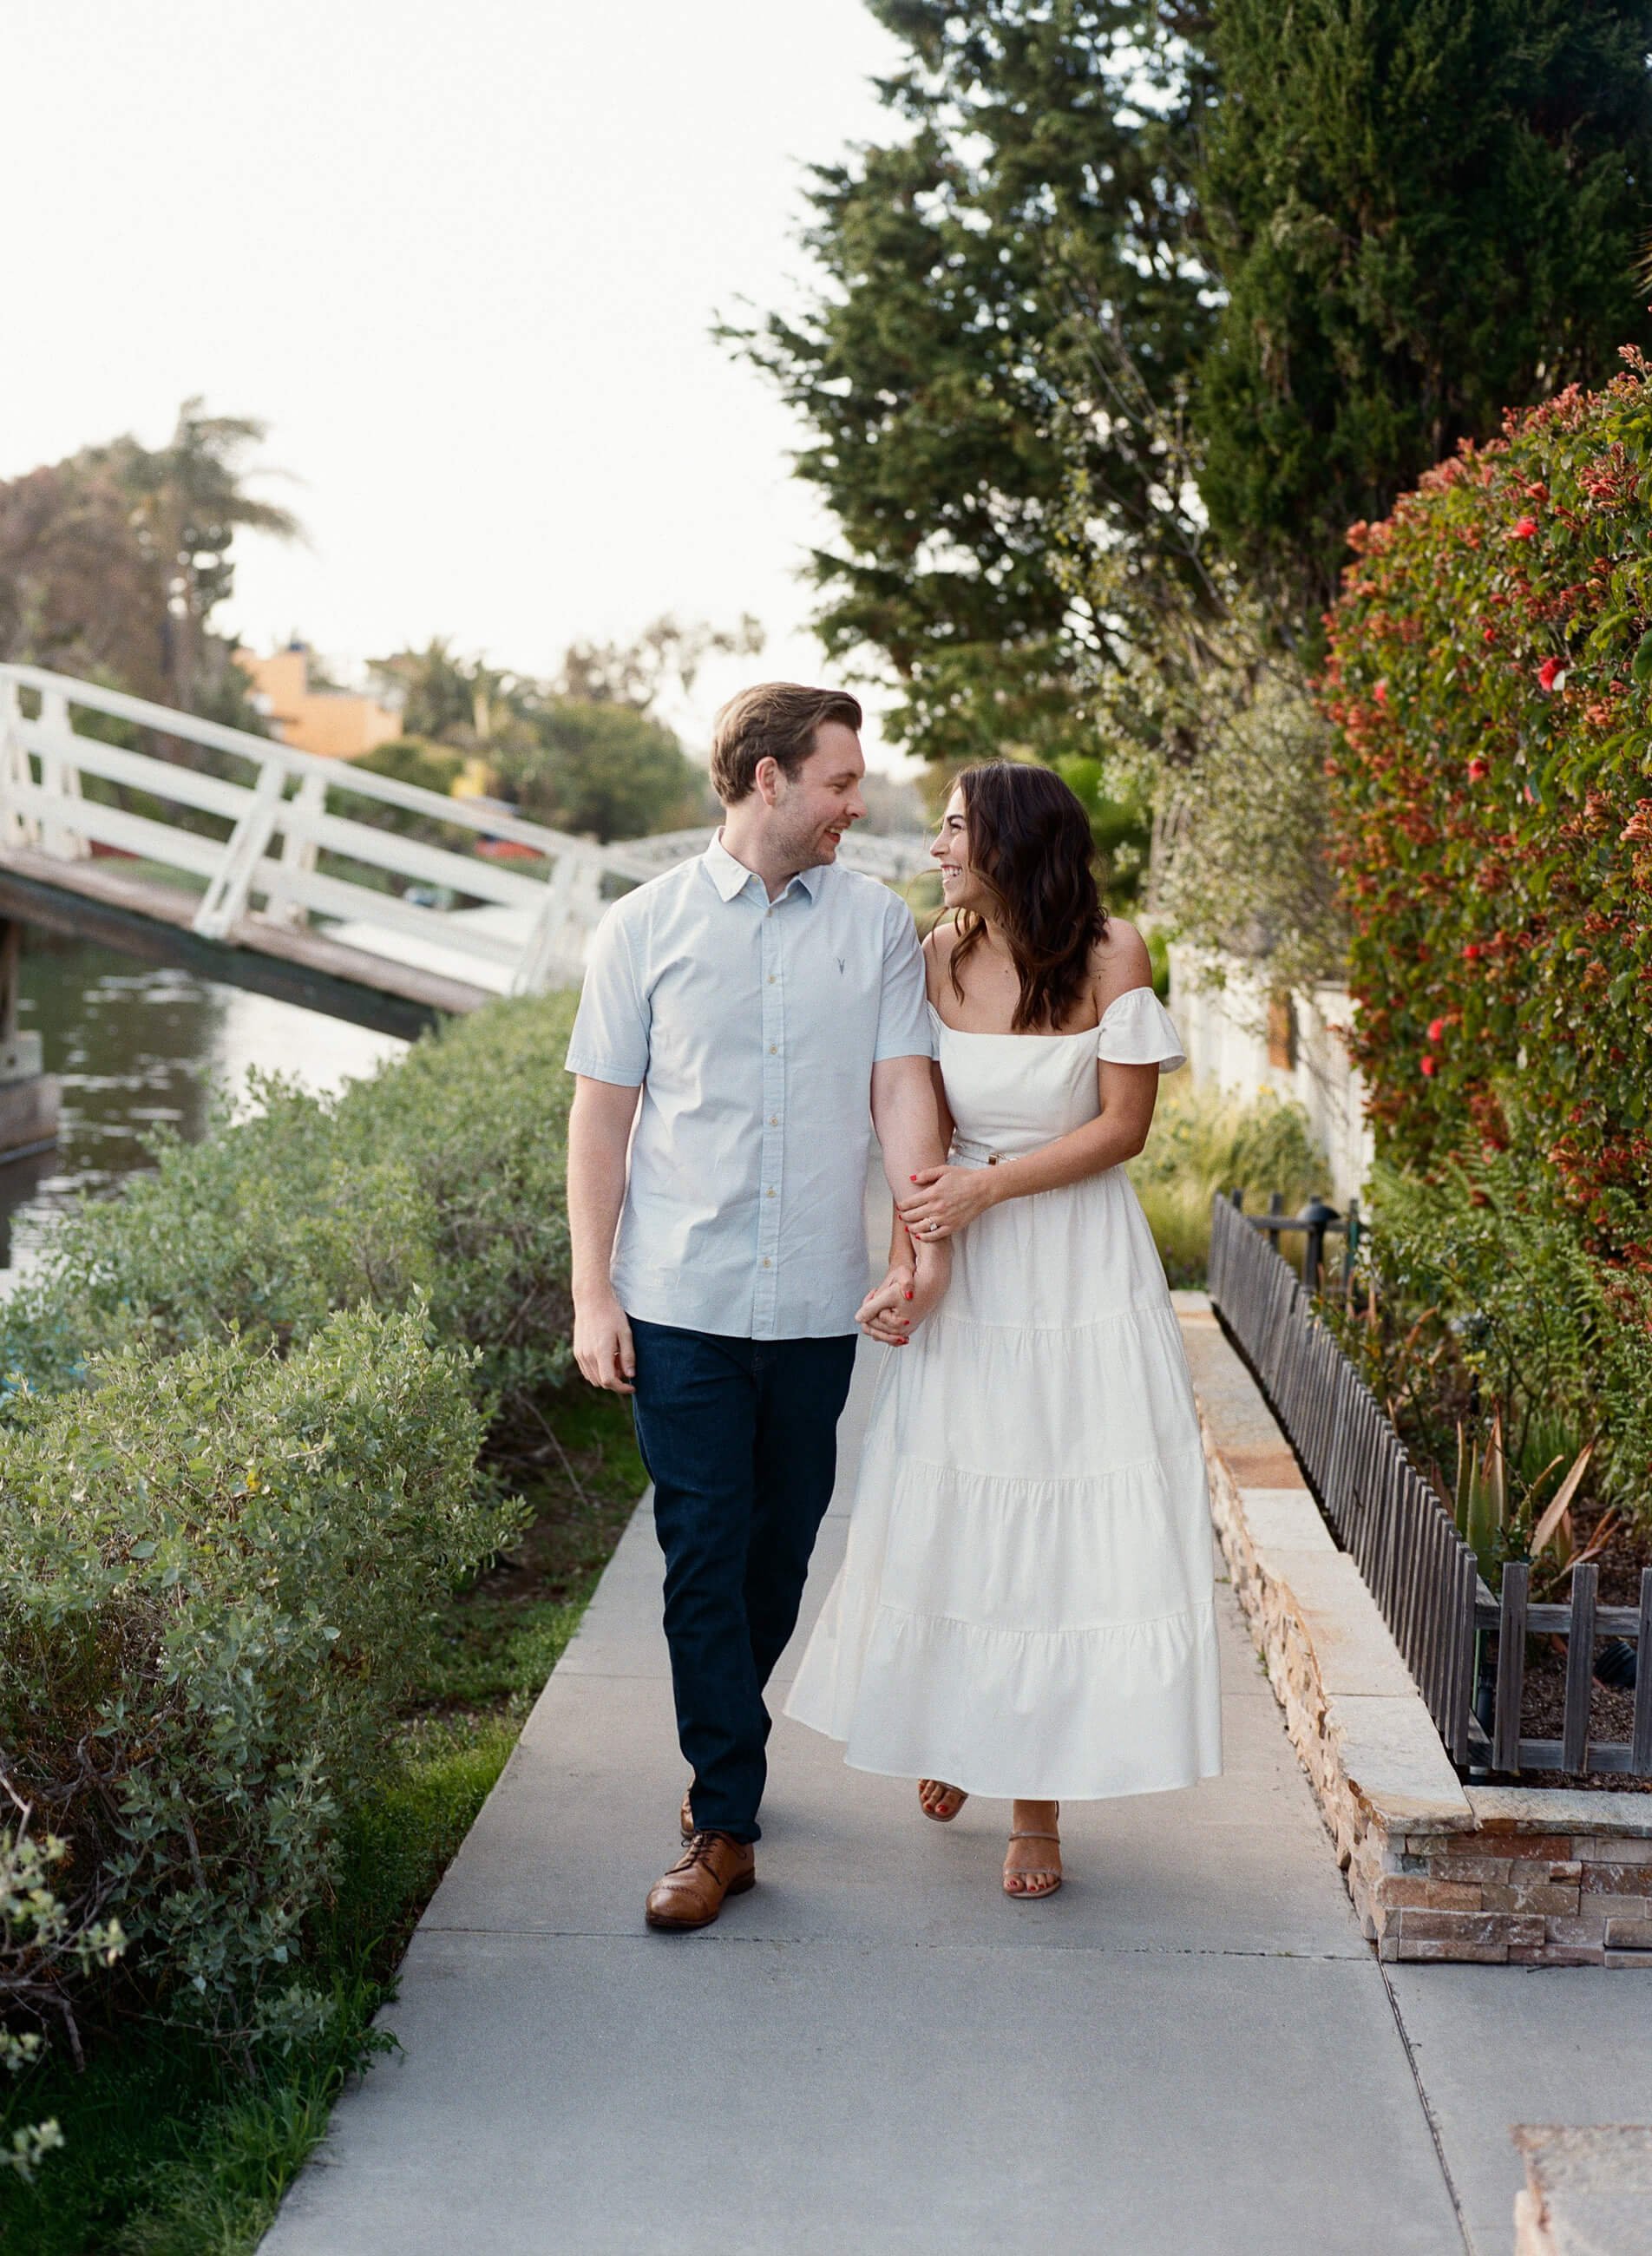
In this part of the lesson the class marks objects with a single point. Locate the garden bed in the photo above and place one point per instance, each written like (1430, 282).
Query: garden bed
(1437, 1869)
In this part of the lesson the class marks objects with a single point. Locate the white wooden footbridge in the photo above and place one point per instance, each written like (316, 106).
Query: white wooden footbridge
(300, 900)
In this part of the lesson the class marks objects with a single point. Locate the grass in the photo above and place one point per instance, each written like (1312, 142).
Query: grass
(1203, 1142)
(171, 2153)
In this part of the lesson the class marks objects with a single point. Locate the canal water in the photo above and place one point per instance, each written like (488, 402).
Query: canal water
(137, 1048)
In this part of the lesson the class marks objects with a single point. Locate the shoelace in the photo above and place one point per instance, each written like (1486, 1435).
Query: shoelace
(698, 1851)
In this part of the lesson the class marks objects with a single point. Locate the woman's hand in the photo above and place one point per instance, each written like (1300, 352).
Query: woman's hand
(946, 1200)
(906, 1297)
(885, 1313)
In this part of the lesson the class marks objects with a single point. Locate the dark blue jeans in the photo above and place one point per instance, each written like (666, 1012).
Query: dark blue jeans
(740, 1440)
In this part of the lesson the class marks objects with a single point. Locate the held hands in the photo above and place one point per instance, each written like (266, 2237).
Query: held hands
(946, 1200)
(905, 1298)
(603, 1344)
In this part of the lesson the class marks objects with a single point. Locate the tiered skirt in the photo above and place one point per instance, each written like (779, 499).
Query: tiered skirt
(1026, 1606)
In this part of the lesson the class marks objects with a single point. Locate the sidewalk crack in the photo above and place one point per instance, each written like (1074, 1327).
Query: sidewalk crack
(1428, 2115)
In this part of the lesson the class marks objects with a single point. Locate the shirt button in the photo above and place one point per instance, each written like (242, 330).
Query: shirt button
(766, 1264)
(771, 979)
(775, 1049)
(771, 1192)
(775, 1120)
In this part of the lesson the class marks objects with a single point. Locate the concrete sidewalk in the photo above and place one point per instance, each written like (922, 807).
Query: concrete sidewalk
(1191, 2047)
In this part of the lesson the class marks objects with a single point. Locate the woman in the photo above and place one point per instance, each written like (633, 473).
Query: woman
(1025, 1608)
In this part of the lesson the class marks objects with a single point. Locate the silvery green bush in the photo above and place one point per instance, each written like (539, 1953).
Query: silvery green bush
(218, 1571)
(442, 1176)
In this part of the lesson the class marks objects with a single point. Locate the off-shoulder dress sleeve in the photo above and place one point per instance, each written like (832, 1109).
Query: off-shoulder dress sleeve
(1136, 1029)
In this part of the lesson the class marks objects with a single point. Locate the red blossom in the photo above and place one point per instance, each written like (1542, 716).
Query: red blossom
(1551, 670)
(1437, 1027)
(1479, 770)
(1523, 528)
(1429, 1065)
(1379, 692)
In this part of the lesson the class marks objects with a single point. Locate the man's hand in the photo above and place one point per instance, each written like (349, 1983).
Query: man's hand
(885, 1313)
(946, 1200)
(602, 1344)
(905, 1298)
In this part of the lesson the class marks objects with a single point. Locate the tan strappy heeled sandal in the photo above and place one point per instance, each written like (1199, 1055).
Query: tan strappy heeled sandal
(956, 1792)
(1038, 1880)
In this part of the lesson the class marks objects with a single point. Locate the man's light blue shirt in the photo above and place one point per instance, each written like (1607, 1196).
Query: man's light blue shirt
(752, 1026)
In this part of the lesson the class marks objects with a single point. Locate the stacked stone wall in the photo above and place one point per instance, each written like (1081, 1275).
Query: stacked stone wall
(1437, 1869)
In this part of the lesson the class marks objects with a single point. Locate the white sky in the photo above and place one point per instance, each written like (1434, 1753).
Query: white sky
(463, 260)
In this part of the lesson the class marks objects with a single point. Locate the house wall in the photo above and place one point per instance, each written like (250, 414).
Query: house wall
(1241, 1040)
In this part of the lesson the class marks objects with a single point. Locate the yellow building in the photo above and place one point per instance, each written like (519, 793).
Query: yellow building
(337, 723)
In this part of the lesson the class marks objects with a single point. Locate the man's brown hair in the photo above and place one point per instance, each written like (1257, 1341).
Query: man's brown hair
(773, 720)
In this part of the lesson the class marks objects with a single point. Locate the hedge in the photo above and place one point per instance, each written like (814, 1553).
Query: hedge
(442, 1175)
(246, 1405)
(217, 1571)
(1489, 659)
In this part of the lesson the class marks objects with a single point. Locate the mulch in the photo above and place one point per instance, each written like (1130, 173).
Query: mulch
(1610, 1713)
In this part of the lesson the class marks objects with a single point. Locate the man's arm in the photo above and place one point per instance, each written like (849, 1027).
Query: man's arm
(905, 1113)
(598, 1134)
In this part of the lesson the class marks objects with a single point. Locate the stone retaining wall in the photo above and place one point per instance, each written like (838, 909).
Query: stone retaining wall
(1437, 1869)
(1587, 2191)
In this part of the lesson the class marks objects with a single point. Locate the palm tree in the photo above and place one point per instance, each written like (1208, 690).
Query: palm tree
(189, 499)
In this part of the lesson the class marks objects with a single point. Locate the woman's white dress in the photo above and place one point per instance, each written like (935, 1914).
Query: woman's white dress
(1026, 1607)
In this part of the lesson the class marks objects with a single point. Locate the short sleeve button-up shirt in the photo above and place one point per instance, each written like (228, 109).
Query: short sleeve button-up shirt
(752, 1026)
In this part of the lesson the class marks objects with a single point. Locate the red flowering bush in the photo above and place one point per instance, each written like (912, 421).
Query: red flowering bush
(1489, 659)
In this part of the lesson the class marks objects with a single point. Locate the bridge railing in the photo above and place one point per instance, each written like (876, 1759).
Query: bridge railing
(44, 759)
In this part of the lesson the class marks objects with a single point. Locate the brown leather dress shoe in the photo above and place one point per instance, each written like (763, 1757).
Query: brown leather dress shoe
(690, 1894)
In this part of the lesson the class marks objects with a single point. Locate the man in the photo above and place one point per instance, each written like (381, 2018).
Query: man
(753, 1013)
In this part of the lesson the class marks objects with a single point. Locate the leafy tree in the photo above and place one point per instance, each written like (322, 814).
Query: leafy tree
(604, 770)
(409, 759)
(78, 591)
(990, 277)
(666, 653)
(585, 750)
(114, 563)
(447, 699)
(1423, 211)
(189, 499)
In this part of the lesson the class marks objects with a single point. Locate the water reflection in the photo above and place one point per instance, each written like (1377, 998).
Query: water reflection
(137, 1047)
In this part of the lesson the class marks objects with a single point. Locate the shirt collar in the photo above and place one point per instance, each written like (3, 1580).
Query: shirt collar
(731, 878)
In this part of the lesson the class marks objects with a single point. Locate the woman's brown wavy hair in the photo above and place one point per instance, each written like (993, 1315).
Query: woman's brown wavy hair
(1030, 845)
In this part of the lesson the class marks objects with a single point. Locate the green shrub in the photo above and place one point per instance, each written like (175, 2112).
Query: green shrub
(478, 1117)
(442, 1176)
(1490, 658)
(1203, 1142)
(218, 1571)
(1554, 1344)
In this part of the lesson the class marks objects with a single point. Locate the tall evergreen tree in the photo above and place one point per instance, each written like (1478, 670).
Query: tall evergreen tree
(1008, 282)
(1423, 211)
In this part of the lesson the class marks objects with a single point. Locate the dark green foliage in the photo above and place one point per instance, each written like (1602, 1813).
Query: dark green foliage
(601, 771)
(1006, 281)
(1424, 211)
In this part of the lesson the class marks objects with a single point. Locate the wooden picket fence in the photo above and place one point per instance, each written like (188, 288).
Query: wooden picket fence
(1422, 1574)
